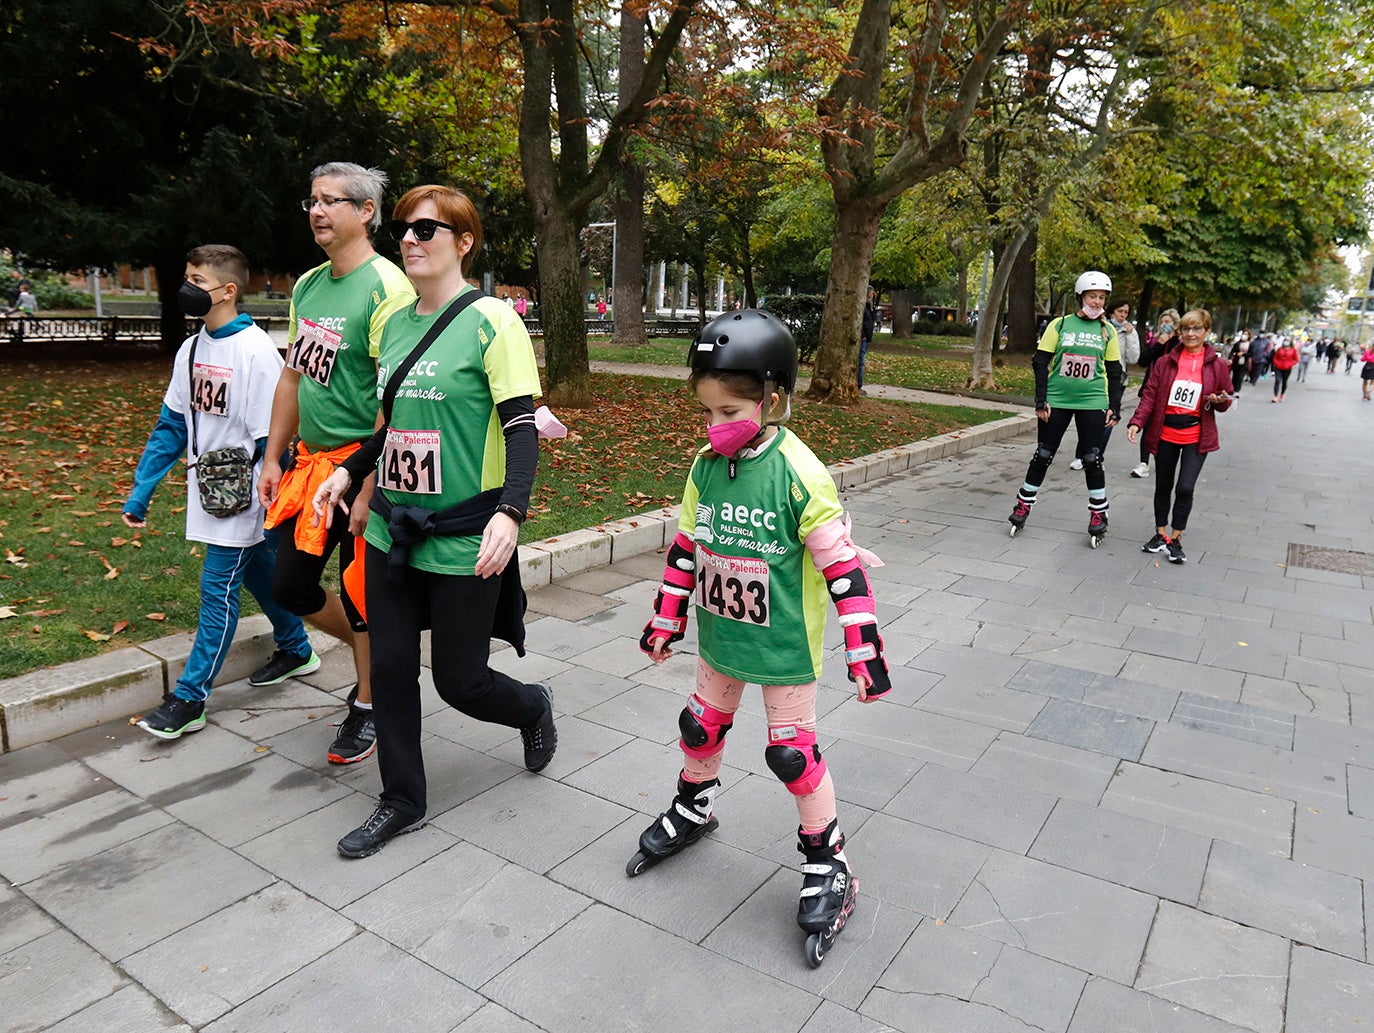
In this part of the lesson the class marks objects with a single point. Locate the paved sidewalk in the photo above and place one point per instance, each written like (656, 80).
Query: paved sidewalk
(1107, 794)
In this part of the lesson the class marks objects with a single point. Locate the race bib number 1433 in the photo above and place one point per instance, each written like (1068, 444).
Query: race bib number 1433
(733, 587)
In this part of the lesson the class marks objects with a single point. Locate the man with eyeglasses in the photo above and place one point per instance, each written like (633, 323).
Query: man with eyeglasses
(326, 399)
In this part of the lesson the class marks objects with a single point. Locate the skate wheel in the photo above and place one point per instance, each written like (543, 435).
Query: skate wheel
(1014, 529)
(639, 863)
(815, 949)
(1094, 541)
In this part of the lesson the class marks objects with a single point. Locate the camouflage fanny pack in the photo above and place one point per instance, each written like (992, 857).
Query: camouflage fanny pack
(225, 480)
(224, 476)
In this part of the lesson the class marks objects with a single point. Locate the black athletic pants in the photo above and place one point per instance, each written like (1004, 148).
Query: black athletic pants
(461, 612)
(1090, 424)
(1187, 461)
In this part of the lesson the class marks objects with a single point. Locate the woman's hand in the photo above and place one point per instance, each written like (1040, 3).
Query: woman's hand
(499, 538)
(864, 685)
(1217, 399)
(1112, 418)
(330, 494)
(1132, 433)
(357, 516)
(1043, 414)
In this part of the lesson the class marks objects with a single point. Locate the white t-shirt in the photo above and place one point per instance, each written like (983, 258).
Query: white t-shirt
(236, 377)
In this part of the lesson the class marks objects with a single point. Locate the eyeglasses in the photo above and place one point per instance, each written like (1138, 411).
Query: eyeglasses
(1192, 329)
(307, 203)
(422, 228)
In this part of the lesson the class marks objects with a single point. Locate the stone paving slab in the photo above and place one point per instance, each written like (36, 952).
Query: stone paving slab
(1105, 795)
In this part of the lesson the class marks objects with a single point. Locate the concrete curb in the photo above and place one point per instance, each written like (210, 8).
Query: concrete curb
(56, 701)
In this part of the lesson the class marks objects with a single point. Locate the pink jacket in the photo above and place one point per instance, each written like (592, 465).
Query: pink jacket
(1216, 379)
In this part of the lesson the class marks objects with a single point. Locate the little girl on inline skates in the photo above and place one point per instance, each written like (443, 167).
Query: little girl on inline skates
(761, 542)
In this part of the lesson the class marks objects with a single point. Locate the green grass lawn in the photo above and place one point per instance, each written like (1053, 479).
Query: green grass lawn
(923, 363)
(74, 432)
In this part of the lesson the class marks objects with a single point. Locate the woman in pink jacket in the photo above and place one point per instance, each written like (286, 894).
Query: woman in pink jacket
(1188, 386)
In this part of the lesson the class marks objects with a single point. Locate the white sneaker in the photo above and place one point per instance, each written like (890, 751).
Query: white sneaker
(1077, 464)
(1141, 470)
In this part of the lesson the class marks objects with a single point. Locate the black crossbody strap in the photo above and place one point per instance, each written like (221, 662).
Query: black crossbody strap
(393, 384)
(191, 397)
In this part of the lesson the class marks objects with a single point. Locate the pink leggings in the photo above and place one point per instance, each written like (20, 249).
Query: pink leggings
(785, 705)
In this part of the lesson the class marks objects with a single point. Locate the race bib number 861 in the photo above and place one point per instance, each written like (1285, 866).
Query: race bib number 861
(1185, 394)
(733, 587)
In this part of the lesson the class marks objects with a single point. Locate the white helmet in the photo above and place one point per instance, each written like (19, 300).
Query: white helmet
(1093, 280)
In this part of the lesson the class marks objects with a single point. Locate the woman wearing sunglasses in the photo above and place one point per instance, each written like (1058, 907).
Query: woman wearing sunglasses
(457, 461)
(1188, 386)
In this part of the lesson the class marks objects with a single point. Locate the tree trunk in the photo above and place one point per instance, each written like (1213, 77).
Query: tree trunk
(171, 271)
(901, 314)
(1021, 299)
(989, 325)
(567, 373)
(1142, 310)
(835, 378)
(627, 274)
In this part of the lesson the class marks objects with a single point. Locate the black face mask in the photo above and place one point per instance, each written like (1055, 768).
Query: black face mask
(194, 301)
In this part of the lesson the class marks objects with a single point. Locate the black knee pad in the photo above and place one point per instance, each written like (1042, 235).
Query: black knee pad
(703, 729)
(798, 764)
(1092, 459)
(1042, 455)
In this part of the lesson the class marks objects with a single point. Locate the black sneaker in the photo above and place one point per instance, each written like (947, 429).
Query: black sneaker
(541, 738)
(357, 738)
(284, 665)
(1156, 544)
(385, 824)
(1176, 551)
(175, 718)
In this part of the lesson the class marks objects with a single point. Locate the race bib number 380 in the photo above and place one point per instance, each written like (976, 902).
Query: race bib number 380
(733, 587)
(314, 351)
(210, 388)
(411, 462)
(1078, 367)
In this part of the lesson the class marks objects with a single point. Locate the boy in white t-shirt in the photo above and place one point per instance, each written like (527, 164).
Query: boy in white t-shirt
(228, 395)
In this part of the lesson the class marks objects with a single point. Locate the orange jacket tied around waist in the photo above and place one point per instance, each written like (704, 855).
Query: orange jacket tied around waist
(297, 490)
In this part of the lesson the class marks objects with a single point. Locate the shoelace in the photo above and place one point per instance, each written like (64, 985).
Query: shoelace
(378, 819)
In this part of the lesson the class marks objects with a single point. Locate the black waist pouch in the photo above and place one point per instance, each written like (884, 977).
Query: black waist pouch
(1181, 420)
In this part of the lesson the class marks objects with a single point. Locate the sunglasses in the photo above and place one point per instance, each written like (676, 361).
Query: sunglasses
(422, 228)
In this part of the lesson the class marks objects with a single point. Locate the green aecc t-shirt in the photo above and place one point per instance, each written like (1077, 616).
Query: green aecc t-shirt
(1081, 348)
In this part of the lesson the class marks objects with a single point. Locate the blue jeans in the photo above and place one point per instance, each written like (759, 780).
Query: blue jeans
(863, 354)
(226, 569)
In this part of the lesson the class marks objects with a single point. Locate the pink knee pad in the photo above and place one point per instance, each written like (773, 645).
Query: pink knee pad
(703, 728)
(793, 756)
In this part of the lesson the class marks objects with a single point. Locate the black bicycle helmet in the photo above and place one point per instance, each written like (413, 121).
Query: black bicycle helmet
(749, 340)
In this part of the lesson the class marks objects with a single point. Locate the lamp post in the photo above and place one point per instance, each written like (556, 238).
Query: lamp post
(603, 225)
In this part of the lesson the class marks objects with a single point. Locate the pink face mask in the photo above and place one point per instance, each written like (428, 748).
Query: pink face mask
(728, 438)
(1093, 311)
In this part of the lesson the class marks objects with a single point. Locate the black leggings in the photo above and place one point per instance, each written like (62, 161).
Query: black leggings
(461, 610)
(1187, 460)
(1090, 423)
(1281, 381)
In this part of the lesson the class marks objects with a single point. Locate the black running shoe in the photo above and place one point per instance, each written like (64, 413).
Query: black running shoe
(357, 738)
(284, 665)
(175, 718)
(1156, 544)
(541, 738)
(385, 825)
(1176, 551)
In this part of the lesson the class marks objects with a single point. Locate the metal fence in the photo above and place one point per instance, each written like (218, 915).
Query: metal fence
(141, 330)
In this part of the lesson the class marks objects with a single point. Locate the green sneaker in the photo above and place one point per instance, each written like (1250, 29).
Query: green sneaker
(284, 665)
(175, 718)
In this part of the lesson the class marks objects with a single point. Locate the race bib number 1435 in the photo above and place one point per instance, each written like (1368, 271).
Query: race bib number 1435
(314, 351)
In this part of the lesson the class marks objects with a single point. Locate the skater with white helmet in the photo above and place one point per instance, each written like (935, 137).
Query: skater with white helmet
(1077, 379)
(761, 542)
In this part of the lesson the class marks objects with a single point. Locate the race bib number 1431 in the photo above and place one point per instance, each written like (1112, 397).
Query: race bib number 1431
(411, 462)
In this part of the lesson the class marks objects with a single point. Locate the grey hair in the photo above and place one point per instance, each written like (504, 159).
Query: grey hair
(362, 184)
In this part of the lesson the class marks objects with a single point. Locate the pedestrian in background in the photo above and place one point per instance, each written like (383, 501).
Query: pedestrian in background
(866, 332)
(1306, 354)
(1285, 358)
(1160, 339)
(1367, 372)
